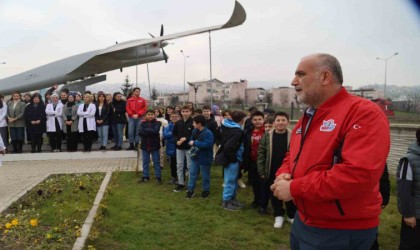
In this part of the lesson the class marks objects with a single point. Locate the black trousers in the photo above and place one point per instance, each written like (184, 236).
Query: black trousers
(87, 138)
(72, 140)
(409, 237)
(267, 195)
(255, 181)
(36, 142)
(55, 139)
(173, 166)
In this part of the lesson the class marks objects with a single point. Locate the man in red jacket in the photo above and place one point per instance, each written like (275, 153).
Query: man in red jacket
(136, 108)
(337, 154)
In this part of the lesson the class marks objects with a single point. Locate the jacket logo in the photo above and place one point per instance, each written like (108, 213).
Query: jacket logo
(299, 131)
(328, 126)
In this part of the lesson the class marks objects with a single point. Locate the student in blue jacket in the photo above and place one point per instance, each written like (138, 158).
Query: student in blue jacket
(171, 145)
(202, 138)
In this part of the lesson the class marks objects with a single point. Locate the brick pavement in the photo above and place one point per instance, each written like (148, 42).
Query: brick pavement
(16, 177)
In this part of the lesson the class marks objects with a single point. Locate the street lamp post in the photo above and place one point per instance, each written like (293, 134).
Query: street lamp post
(185, 57)
(386, 65)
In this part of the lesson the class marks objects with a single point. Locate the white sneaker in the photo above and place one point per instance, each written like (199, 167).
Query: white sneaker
(278, 222)
(241, 184)
(289, 220)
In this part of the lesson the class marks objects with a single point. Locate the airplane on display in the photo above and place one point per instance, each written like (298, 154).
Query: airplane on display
(87, 66)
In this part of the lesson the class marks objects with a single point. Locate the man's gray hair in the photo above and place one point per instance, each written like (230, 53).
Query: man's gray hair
(329, 62)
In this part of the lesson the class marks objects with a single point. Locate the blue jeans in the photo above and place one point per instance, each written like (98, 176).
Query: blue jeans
(181, 155)
(103, 134)
(146, 160)
(117, 130)
(230, 181)
(303, 237)
(133, 130)
(195, 169)
(17, 133)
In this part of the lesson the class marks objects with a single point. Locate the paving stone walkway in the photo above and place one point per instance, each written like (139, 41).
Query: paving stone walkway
(16, 177)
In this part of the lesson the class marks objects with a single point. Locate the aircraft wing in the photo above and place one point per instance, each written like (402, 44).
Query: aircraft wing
(107, 59)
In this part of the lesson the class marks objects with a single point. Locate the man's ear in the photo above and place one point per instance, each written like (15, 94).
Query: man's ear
(326, 77)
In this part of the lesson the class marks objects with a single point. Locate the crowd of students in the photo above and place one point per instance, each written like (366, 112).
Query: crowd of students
(193, 139)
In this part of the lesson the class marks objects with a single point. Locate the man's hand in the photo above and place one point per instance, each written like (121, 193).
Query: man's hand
(135, 116)
(281, 190)
(191, 143)
(283, 176)
(411, 221)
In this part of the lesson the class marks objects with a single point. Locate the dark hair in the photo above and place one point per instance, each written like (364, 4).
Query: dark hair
(39, 96)
(198, 111)
(237, 116)
(257, 113)
(226, 111)
(418, 136)
(160, 113)
(150, 111)
(200, 119)
(65, 90)
(175, 113)
(16, 92)
(169, 107)
(206, 107)
(269, 119)
(102, 94)
(186, 107)
(281, 113)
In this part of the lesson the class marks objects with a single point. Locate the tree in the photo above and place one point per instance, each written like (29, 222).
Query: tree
(174, 100)
(154, 95)
(127, 87)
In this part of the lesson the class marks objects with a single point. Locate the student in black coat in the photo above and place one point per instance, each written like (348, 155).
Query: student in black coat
(118, 119)
(102, 120)
(35, 119)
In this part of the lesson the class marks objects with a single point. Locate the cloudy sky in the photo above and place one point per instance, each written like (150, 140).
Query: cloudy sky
(266, 48)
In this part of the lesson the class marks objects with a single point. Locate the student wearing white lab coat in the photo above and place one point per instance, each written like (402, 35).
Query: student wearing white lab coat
(54, 111)
(87, 123)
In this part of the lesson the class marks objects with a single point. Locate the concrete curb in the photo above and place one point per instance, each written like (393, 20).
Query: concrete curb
(22, 193)
(69, 156)
(80, 241)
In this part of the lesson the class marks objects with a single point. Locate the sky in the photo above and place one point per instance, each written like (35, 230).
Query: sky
(265, 50)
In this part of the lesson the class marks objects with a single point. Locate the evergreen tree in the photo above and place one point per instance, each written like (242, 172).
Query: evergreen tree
(127, 87)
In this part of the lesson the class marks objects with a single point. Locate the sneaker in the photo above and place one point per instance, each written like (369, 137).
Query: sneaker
(241, 184)
(205, 194)
(228, 205)
(179, 188)
(237, 203)
(158, 180)
(190, 194)
(278, 222)
(290, 220)
(172, 181)
(143, 180)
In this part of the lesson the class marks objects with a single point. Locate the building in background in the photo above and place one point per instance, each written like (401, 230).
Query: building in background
(284, 97)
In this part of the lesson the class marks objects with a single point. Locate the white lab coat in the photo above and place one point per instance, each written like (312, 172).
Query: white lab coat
(52, 114)
(3, 116)
(2, 147)
(89, 115)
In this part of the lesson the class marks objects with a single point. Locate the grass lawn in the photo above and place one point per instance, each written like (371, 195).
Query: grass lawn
(50, 215)
(152, 216)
